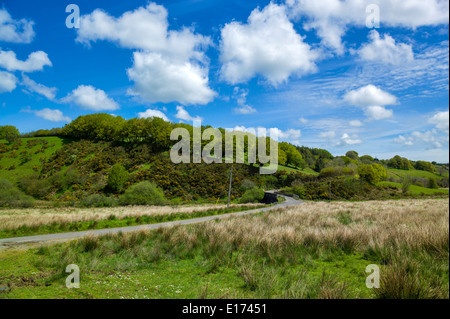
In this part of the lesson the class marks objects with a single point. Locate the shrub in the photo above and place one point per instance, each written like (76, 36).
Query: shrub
(98, 200)
(12, 197)
(252, 195)
(432, 183)
(406, 184)
(117, 178)
(372, 173)
(144, 193)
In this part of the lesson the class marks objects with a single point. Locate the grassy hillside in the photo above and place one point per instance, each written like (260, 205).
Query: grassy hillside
(399, 173)
(27, 156)
(416, 190)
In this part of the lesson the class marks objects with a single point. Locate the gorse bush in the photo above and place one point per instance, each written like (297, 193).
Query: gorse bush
(253, 195)
(10, 196)
(144, 193)
(117, 178)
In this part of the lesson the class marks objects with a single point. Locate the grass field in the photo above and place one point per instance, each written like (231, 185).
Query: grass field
(314, 250)
(418, 190)
(33, 221)
(399, 173)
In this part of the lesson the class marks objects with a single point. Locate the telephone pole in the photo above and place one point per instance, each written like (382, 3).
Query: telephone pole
(229, 188)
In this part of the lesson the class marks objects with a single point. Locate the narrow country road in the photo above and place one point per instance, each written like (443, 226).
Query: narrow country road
(19, 241)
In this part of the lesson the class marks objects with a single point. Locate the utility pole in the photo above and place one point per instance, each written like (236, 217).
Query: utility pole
(229, 188)
(330, 191)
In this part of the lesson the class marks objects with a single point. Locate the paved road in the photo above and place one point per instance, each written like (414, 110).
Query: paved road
(19, 241)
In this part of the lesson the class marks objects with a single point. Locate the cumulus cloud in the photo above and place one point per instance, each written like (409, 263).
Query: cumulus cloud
(15, 31)
(347, 140)
(52, 115)
(183, 115)
(32, 86)
(8, 82)
(377, 112)
(169, 66)
(91, 98)
(35, 62)
(153, 113)
(267, 45)
(332, 18)
(441, 120)
(240, 95)
(385, 50)
(372, 100)
(158, 79)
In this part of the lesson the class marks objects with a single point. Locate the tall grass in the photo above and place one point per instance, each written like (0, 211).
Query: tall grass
(287, 253)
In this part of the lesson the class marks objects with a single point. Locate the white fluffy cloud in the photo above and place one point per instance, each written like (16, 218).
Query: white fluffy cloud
(153, 113)
(169, 66)
(183, 115)
(52, 115)
(347, 140)
(35, 62)
(32, 86)
(91, 98)
(267, 45)
(8, 82)
(331, 18)
(386, 50)
(376, 112)
(372, 100)
(15, 31)
(158, 79)
(441, 120)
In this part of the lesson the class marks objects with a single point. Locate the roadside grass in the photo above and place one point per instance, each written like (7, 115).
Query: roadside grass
(115, 221)
(314, 250)
(417, 190)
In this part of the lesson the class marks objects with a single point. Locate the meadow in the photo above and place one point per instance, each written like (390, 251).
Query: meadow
(314, 250)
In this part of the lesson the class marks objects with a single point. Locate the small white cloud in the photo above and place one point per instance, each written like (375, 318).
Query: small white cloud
(347, 140)
(267, 45)
(441, 120)
(385, 50)
(153, 113)
(8, 82)
(52, 115)
(91, 98)
(15, 31)
(328, 135)
(368, 96)
(303, 120)
(240, 95)
(183, 115)
(35, 61)
(372, 100)
(404, 140)
(377, 112)
(356, 123)
(48, 92)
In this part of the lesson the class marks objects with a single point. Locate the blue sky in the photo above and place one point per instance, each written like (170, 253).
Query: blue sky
(313, 69)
